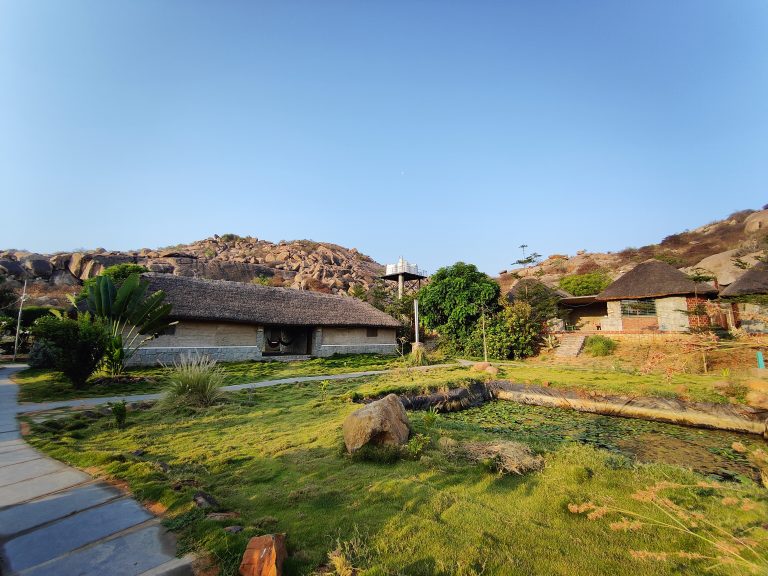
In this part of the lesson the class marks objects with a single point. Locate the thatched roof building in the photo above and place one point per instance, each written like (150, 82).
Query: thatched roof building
(654, 279)
(224, 301)
(753, 281)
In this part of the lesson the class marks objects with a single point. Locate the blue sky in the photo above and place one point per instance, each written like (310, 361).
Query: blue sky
(440, 131)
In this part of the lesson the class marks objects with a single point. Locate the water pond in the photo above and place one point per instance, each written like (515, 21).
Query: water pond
(706, 451)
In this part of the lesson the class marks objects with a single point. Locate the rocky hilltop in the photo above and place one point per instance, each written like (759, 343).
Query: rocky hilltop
(721, 248)
(301, 264)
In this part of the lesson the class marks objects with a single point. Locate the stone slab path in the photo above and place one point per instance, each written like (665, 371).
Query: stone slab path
(58, 520)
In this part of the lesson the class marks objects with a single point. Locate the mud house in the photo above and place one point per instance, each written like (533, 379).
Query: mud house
(233, 321)
(657, 297)
(747, 300)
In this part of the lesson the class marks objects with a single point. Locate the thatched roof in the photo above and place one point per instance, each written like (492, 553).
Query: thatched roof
(654, 279)
(753, 281)
(224, 301)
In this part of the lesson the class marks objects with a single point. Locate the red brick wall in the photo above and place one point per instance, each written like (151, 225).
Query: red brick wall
(639, 323)
(701, 320)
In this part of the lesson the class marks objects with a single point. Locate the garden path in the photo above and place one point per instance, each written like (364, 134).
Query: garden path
(58, 520)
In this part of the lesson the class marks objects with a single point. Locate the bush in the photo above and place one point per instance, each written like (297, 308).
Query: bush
(31, 314)
(120, 412)
(504, 457)
(43, 354)
(599, 346)
(195, 381)
(79, 345)
(585, 284)
(118, 273)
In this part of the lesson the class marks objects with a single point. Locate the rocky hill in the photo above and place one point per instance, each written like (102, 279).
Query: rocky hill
(301, 264)
(719, 247)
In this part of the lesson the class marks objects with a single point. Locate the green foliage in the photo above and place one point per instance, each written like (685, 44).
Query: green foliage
(377, 454)
(119, 412)
(541, 298)
(118, 273)
(132, 316)
(194, 381)
(430, 418)
(417, 357)
(262, 280)
(585, 284)
(6, 325)
(599, 346)
(42, 354)
(30, 314)
(229, 237)
(416, 446)
(454, 299)
(670, 258)
(358, 291)
(513, 333)
(78, 345)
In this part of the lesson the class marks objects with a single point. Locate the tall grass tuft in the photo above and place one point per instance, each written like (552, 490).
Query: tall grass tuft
(599, 346)
(194, 381)
(417, 357)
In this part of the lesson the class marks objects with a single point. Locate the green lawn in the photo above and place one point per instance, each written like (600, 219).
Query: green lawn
(47, 385)
(698, 387)
(274, 456)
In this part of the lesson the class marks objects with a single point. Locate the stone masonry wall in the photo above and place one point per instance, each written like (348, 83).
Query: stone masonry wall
(168, 355)
(671, 314)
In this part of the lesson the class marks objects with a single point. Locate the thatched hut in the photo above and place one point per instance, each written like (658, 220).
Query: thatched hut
(233, 321)
(655, 296)
(748, 299)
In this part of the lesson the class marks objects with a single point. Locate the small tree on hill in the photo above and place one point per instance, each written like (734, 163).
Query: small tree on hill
(585, 284)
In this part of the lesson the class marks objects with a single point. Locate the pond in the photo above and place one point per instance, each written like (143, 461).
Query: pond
(543, 428)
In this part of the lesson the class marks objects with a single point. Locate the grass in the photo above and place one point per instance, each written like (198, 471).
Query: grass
(273, 455)
(696, 387)
(36, 385)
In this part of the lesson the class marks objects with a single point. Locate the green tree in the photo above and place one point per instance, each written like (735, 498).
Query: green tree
(119, 273)
(454, 299)
(358, 291)
(585, 284)
(78, 345)
(542, 299)
(132, 316)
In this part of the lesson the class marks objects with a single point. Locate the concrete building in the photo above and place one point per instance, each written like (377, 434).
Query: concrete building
(233, 321)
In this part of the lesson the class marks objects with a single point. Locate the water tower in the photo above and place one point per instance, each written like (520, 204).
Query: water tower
(403, 272)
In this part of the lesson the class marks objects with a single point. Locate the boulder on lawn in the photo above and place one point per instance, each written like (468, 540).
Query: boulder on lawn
(264, 556)
(380, 423)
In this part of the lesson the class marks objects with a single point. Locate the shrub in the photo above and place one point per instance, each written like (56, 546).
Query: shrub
(430, 418)
(30, 314)
(417, 357)
(7, 324)
(599, 346)
(585, 284)
(118, 273)
(120, 412)
(195, 381)
(416, 446)
(43, 354)
(79, 344)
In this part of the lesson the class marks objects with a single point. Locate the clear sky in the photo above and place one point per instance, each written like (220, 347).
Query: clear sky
(436, 130)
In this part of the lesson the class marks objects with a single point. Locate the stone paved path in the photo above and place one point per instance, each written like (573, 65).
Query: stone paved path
(58, 520)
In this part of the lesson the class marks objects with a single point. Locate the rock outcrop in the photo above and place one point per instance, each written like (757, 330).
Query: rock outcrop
(301, 264)
(380, 423)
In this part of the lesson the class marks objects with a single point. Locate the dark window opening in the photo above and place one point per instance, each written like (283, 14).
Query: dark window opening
(372, 332)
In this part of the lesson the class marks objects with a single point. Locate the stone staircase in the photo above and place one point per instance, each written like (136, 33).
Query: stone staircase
(570, 345)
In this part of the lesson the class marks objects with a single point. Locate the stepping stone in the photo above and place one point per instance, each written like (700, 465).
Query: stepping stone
(27, 470)
(36, 487)
(130, 554)
(19, 518)
(68, 534)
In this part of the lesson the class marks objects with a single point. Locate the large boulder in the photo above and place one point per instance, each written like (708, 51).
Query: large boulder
(380, 423)
(264, 556)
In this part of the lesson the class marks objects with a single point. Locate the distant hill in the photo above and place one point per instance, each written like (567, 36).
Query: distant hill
(714, 247)
(304, 264)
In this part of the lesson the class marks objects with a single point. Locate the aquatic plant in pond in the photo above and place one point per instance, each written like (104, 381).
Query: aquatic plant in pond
(545, 429)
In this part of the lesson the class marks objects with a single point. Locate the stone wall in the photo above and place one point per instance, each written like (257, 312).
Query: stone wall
(154, 355)
(752, 318)
(330, 341)
(612, 323)
(671, 314)
(209, 334)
